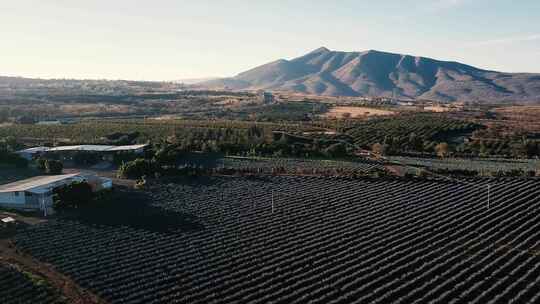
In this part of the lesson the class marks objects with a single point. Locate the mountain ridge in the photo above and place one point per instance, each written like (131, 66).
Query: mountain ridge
(375, 73)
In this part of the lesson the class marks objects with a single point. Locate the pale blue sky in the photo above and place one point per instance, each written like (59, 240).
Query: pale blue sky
(166, 39)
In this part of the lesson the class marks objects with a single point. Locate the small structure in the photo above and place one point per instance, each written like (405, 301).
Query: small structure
(6, 221)
(36, 193)
(30, 153)
(49, 122)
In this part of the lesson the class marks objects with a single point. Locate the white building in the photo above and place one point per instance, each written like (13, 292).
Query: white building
(66, 150)
(36, 193)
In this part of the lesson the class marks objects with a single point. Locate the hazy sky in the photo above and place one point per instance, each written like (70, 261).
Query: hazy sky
(166, 39)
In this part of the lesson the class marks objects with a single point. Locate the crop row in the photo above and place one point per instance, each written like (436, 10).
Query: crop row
(298, 239)
(290, 165)
(487, 165)
(20, 287)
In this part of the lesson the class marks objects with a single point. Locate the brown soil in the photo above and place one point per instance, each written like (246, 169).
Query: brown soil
(356, 112)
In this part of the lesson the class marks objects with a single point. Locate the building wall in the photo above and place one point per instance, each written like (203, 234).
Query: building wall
(32, 200)
(12, 198)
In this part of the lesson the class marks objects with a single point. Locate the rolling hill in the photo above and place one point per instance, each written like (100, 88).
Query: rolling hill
(375, 73)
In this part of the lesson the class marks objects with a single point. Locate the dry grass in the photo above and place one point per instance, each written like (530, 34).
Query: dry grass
(519, 110)
(356, 112)
(74, 109)
(437, 109)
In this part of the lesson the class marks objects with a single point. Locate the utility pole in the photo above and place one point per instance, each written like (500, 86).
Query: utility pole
(488, 195)
(272, 201)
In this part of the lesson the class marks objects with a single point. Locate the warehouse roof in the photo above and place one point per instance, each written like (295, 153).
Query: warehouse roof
(34, 182)
(35, 149)
(93, 148)
(127, 148)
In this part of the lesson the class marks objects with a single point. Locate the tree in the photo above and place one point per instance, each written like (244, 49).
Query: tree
(377, 148)
(519, 149)
(336, 150)
(86, 158)
(442, 149)
(9, 158)
(137, 168)
(416, 143)
(41, 164)
(532, 148)
(74, 195)
(53, 167)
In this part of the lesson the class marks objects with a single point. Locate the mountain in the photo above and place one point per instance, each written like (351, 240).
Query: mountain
(376, 74)
(189, 81)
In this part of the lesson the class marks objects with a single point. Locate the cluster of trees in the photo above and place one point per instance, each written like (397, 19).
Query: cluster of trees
(506, 147)
(412, 143)
(141, 168)
(10, 144)
(119, 138)
(472, 173)
(254, 141)
(4, 115)
(7, 156)
(17, 116)
(49, 166)
(12, 159)
(138, 168)
(523, 148)
(74, 195)
(84, 158)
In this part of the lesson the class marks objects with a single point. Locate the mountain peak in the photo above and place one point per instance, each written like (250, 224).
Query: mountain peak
(374, 73)
(322, 49)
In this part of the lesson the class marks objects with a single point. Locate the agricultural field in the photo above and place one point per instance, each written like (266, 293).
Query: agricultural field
(96, 131)
(426, 127)
(356, 112)
(261, 165)
(19, 286)
(305, 239)
(483, 166)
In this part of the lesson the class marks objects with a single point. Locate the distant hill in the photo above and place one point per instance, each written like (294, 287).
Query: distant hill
(189, 81)
(375, 73)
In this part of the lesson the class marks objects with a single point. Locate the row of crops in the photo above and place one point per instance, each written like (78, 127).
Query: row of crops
(91, 131)
(260, 165)
(21, 288)
(428, 127)
(483, 166)
(317, 240)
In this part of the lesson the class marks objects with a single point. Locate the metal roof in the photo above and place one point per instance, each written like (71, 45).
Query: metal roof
(93, 148)
(34, 182)
(8, 220)
(128, 148)
(96, 148)
(35, 150)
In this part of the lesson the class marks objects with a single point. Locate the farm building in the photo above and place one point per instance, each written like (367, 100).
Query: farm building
(107, 152)
(36, 193)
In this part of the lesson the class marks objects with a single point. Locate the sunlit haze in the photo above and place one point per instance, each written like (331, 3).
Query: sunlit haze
(170, 40)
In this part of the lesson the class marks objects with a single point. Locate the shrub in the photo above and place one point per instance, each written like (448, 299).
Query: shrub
(13, 159)
(74, 195)
(336, 150)
(137, 169)
(41, 164)
(442, 149)
(86, 158)
(53, 167)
